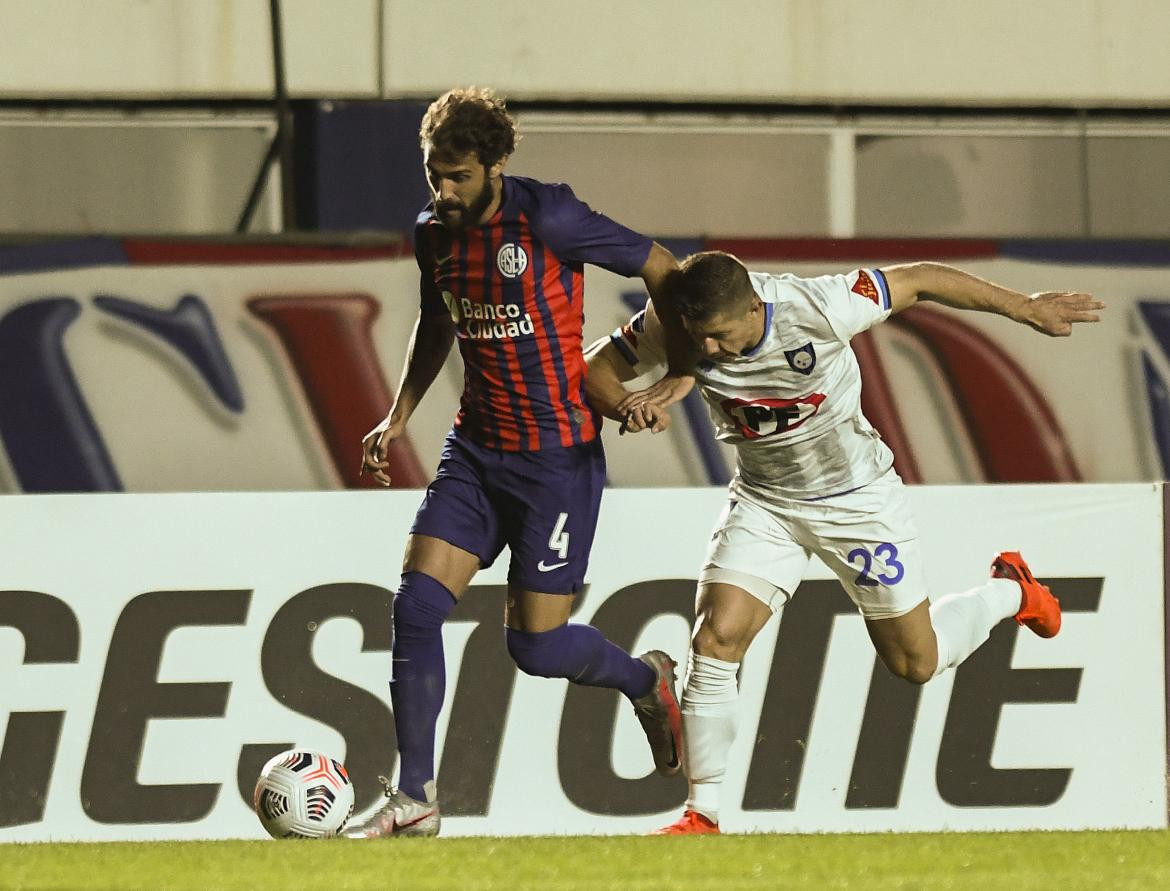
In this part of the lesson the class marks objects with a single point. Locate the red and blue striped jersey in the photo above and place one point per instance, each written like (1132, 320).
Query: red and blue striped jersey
(515, 287)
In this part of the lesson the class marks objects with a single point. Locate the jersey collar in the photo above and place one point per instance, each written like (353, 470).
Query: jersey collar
(747, 354)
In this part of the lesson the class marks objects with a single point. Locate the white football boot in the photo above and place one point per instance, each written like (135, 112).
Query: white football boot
(401, 815)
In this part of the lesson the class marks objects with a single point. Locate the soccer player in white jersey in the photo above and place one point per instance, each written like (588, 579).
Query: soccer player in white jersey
(812, 477)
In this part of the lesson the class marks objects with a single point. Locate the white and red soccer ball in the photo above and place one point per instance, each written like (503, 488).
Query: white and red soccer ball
(303, 794)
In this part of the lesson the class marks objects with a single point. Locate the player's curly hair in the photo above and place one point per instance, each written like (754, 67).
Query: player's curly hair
(711, 283)
(469, 119)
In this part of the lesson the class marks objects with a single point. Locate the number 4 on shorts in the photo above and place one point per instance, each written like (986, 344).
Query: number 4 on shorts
(559, 540)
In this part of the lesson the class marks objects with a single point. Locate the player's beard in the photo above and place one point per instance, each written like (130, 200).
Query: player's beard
(462, 217)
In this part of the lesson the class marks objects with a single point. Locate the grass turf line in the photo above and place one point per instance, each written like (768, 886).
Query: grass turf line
(1018, 860)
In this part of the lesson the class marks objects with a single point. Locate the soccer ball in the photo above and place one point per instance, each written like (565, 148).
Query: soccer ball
(302, 794)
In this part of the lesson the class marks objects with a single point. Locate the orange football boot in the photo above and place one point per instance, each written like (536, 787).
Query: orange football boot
(690, 823)
(1039, 608)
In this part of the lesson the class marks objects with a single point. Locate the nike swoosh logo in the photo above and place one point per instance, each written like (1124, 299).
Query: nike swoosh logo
(544, 568)
(415, 821)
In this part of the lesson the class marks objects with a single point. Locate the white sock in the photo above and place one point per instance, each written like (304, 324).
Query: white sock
(709, 704)
(962, 622)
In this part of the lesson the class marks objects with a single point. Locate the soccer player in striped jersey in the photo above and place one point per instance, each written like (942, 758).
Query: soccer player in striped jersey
(501, 260)
(812, 477)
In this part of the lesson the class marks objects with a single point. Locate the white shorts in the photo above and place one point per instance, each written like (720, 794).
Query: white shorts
(868, 538)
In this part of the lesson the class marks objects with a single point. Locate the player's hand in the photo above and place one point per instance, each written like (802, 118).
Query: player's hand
(1054, 312)
(670, 389)
(375, 447)
(646, 416)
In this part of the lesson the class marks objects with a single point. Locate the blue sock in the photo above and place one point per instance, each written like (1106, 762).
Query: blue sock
(581, 654)
(419, 676)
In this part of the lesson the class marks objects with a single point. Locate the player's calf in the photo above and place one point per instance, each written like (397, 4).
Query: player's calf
(581, 654)
(906, 643)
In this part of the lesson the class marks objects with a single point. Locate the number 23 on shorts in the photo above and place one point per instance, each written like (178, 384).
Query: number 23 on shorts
(888, 554)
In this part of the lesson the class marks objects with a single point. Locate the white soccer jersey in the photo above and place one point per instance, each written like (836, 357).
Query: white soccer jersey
(792, 404)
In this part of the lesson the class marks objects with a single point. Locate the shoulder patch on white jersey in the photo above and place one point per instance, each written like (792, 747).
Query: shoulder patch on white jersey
(866, 287)
(871, 284)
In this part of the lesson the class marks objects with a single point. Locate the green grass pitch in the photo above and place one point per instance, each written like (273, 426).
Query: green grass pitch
(1036, 860)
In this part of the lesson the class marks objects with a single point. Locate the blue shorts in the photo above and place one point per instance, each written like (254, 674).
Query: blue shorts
(543, 505)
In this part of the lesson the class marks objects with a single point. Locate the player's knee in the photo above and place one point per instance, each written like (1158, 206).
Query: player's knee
(536, 653)
(718, 638)
(919, 673)
(421, 604)
(917, 668)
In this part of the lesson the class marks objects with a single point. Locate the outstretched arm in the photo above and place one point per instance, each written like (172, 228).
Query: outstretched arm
(1049, 312)
(429, 345)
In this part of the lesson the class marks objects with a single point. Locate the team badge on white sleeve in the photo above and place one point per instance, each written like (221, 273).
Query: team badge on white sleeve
(866, 287)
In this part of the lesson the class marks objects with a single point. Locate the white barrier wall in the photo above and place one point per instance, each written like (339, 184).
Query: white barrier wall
(793, 50)
(809, 51)
(156, 650)
(186, 48)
